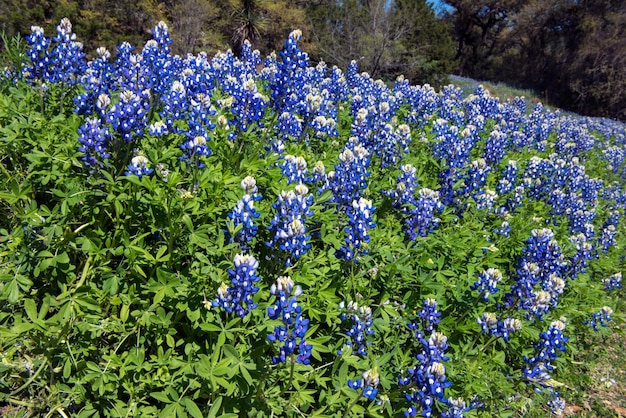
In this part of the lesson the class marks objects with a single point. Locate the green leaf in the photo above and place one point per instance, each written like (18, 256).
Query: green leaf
(192, 408)
(161, 396)
(215, 408)
(31, 309)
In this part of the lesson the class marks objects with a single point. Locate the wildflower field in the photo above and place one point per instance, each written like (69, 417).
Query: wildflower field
(219, 236)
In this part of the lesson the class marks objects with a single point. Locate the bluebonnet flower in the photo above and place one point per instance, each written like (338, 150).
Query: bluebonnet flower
(138, 166)
(487, 283)
(490, 324)
(615, 157)
(368, 383)
(580, 260)
(406, 187)
(600, 318)
(248, 104)
(198, 116)
(349, 179)
(294, 327)
(357, 232)
(97, 80)
(456, 408)
(163, 171)
(94, 139)
(289, 224)
(579, 215)
(157, 72)
(556, 403)
(158, 128)
(422, 219)
(40, 60)
(504, 229)
(195, 149)
(290, 76)
(539, 303)
(485, 199)
(289, 125)
(495, 146)
(238, 296)
(428, 379)
(551, 342)
(244, 214)
(508, 179)
(319, 177)
(429, 315)
(175, 105)
(476, 177)
(609, 231)
(541, 263)
(535, 179)
(361, 320)
(516, 200)
(129, 116)
(613, 282)
(294, 169)
(67, 56)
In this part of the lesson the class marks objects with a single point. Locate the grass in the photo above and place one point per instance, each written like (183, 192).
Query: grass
(503, 91)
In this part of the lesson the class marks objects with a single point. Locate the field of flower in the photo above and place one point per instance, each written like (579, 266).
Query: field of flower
(221, 236)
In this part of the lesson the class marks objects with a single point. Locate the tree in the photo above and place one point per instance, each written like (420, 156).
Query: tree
(425, 53)
(386, 38)
(477, 29)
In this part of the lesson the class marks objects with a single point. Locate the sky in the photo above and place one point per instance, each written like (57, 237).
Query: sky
(438, 6)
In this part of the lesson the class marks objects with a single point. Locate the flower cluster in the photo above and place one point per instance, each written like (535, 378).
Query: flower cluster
(422, 219)
(429, 315)
(238, 296)
(139, 166)
(294, 169)
(38, 54)
(427, 380)
(551, 342)
(542, 264)
(489, 324)
(357, 232)
(613, 282)
(508, 178)
(601, 318)
(361, 320)
(129, 116)
(244, 214)
(406, 187)
(368, 383)
(349, 179)
(291, 333)
(63, 64)
(67, 56)
(94, 139)
(487, 283)
(289, 224)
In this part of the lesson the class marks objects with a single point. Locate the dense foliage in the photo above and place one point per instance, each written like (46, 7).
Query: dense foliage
(186, 236)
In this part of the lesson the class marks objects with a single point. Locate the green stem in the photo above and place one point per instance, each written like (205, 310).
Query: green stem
(293, 366)
(32, 378)
(488, 343)
(347, 411)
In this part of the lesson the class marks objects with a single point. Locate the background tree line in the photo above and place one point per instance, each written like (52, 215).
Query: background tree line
(572, 52)
(386, 37)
